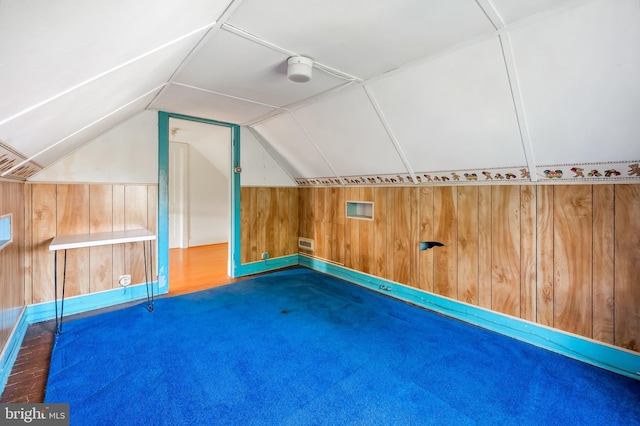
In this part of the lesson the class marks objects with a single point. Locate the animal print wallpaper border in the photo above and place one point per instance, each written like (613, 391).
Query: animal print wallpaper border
(587, 172)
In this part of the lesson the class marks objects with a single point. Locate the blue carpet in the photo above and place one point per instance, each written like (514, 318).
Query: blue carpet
(297, 347)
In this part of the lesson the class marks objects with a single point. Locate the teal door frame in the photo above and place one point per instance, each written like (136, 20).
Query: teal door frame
(163, 194)
(237, 269)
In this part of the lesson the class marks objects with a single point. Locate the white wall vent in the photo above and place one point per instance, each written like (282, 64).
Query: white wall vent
(305, 243)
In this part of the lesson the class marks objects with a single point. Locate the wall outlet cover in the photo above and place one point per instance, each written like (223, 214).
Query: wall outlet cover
(124, 280)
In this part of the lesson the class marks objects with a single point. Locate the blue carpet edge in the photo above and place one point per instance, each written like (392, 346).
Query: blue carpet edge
(609, 357)
(39, 312)
(596, 353)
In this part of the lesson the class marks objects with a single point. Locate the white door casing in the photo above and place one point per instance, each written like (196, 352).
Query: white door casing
(178, 193)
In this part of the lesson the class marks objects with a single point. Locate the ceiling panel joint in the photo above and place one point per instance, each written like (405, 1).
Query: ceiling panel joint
(53, 145)
(392, 137)
(315, 145)
(518, 104)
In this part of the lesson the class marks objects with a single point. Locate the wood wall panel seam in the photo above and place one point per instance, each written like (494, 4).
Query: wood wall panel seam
(537, 237)
(522, 236)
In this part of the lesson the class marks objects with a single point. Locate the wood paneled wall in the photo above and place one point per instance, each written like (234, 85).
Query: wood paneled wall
(66, 209)
(268, 222)
(565, 256)
(12, 259)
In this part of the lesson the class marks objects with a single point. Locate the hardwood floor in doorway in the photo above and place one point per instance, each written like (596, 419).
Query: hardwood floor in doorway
(198, 268)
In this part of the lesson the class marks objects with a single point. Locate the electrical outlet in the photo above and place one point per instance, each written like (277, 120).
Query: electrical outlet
(124, 280)
(265, 255)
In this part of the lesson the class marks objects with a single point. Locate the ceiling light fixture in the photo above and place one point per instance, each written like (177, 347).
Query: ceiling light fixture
(299, 69)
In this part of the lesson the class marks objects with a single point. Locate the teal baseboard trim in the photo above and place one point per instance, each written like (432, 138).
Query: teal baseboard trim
(266, 265)
(89, 302)
(590, 351)
(39, 312)
(12, 347)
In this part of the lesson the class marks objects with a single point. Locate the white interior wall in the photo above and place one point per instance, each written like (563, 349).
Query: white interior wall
(208, 200)
(128, 153)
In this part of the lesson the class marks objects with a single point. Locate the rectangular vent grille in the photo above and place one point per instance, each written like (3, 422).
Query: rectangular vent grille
(305, 243)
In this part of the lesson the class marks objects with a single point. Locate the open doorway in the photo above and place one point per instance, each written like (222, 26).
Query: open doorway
(235, 268)
(199, 205)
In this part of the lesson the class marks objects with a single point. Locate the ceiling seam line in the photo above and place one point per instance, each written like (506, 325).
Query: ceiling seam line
(318, 97)
(103, 74)
(265, 117)
(518, 104)
(182, 64)
(251, 37)
(336, 174)
(205, 38)
(300, 104)
(491, 13)
(390, 134)
(14, 151)
(433, 55)
(262, 42)
(82, 129)
(517, 24)
(200, 89)
(267, 147)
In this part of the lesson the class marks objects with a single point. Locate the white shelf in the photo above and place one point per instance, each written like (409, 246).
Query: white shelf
(63, 242)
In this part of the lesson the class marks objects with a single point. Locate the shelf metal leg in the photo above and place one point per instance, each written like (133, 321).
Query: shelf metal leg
(55, 289)
(150, 298)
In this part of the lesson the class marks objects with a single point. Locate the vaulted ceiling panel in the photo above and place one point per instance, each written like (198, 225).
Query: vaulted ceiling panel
(512, 10)
(348, 131)
(201, 103)
(48, 47)
(362, 38)
(578, 73)
(454, 112)
(228, 63)
(54, 121)
(75, 141)
(292, 148)
(430, 87)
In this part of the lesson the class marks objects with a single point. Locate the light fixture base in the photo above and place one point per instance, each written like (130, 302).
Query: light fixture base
(299, 69)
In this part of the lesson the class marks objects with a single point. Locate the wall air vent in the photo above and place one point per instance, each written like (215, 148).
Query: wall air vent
(305, 243)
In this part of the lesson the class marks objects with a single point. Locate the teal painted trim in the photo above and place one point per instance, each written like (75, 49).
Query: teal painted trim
(199, 119)
(163, 193)
(163, 200)
(88, 302)
(12, 347)
(235, 203)
(267, 265)
(590, 351)
(72, 305)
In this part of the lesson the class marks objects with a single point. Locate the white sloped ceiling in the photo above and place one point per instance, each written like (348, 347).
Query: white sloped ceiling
(402, 91)
(92, 101)
(52, 46)
(71, 69)
(363, 38)
(509, 11)
(579, 78)
(294, 150)
(454, 112)
(349, 133)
